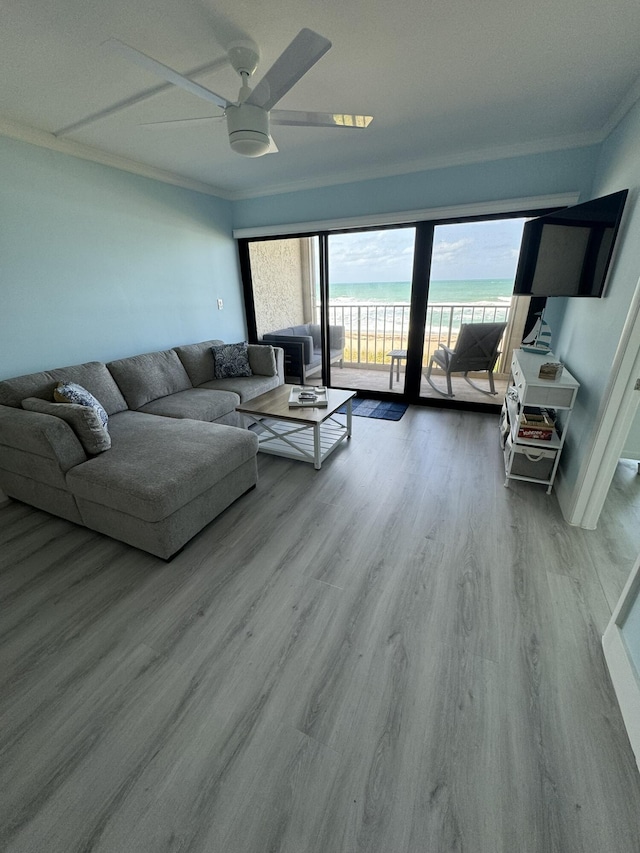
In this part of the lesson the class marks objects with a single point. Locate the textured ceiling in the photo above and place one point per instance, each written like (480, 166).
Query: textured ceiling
(446, 81)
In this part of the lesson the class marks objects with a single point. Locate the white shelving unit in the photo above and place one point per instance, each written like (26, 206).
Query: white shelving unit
(530, 459)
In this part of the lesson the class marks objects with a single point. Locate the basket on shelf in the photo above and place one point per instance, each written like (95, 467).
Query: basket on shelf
(537, 426)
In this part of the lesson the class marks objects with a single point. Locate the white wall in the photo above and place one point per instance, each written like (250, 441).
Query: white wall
(96, 263)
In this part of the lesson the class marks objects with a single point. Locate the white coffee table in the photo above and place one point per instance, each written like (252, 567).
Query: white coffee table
(308, 434)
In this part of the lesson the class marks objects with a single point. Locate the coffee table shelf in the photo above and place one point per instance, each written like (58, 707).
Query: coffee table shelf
(308, 434)
(282, 439)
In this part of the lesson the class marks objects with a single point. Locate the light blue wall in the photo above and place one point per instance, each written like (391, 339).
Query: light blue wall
(96, 263)
(513, 177)
(587, 331)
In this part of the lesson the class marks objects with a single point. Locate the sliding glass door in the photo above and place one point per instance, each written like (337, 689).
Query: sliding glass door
(374, 309)
(369, 296)
(472, 270)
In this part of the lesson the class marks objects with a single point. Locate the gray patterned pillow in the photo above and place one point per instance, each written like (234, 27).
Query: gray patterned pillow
(83, 420)
(71, 392)
(231, 360)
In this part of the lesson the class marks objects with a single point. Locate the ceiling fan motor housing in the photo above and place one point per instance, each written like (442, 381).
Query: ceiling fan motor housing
(248, 128)
(244, 56)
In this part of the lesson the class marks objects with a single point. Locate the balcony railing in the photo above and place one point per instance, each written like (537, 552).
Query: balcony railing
(373, 330)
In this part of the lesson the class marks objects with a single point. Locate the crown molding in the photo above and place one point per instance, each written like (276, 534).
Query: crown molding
(424, 164)
(43, 139)
(627, 102)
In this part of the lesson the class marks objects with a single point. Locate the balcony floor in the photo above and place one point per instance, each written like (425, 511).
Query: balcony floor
(368, 379)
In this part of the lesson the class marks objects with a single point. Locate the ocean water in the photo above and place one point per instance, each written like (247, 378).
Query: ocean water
(497, 290)
(381, 309)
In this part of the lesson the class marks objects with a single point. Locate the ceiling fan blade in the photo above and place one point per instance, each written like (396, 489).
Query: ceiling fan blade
(135, 99)
(180, 121)
(149, 64)
(301, 118)
(273, 148)
(303, 52)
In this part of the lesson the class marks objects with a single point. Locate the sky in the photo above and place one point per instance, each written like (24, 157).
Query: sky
(470, 250)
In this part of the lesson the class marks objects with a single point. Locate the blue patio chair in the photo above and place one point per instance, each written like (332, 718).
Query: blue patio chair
(476, 350)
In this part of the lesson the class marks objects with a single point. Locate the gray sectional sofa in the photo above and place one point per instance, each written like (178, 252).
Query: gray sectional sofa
(179, 454)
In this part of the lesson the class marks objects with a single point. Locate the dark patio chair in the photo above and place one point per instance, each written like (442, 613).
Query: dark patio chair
(476, 350)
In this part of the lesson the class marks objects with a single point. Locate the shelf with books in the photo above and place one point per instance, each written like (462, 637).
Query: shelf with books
(533, 435)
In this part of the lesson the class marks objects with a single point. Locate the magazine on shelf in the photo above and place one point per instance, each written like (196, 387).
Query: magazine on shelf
(308, 397)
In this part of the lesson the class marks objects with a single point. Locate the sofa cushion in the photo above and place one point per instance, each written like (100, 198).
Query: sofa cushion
(83, 420)
(199, 363)
(288, 330)
(39, 446)
(146, 377)
(71, 392)
(246, 387)
(262, 360)
(13, 391)
(196, 403)
(195, 456)
(301, 330)
(94, 376)
(316, 334)
(197, 360)
(231, 360)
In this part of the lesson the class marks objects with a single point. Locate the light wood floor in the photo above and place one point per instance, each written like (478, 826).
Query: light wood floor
(394, 654)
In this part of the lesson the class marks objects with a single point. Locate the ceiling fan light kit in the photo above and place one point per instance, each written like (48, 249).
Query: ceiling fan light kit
(248, 118)
(248, 128)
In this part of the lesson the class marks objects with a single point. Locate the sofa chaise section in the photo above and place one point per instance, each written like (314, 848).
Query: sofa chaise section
(163, 480)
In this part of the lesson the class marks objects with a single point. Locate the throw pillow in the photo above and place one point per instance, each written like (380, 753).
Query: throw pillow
(71, 392)
(231, 360)
(83, 420)
(262, 359)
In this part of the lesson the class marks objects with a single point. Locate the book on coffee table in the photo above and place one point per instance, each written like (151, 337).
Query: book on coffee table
(308, 396)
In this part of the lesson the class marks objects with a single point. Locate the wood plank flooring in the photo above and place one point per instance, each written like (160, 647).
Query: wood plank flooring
(393, 654)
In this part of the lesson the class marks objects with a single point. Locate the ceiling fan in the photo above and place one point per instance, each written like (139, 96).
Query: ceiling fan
(249, 118)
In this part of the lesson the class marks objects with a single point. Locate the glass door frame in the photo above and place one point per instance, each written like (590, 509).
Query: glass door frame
(423, 249)
(422, 254)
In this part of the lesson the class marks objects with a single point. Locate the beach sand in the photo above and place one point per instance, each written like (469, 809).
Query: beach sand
(374, 350)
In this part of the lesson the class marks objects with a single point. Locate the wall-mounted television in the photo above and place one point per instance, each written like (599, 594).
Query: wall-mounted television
(567, 253)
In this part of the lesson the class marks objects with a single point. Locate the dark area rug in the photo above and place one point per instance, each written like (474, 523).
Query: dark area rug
(376, 409)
